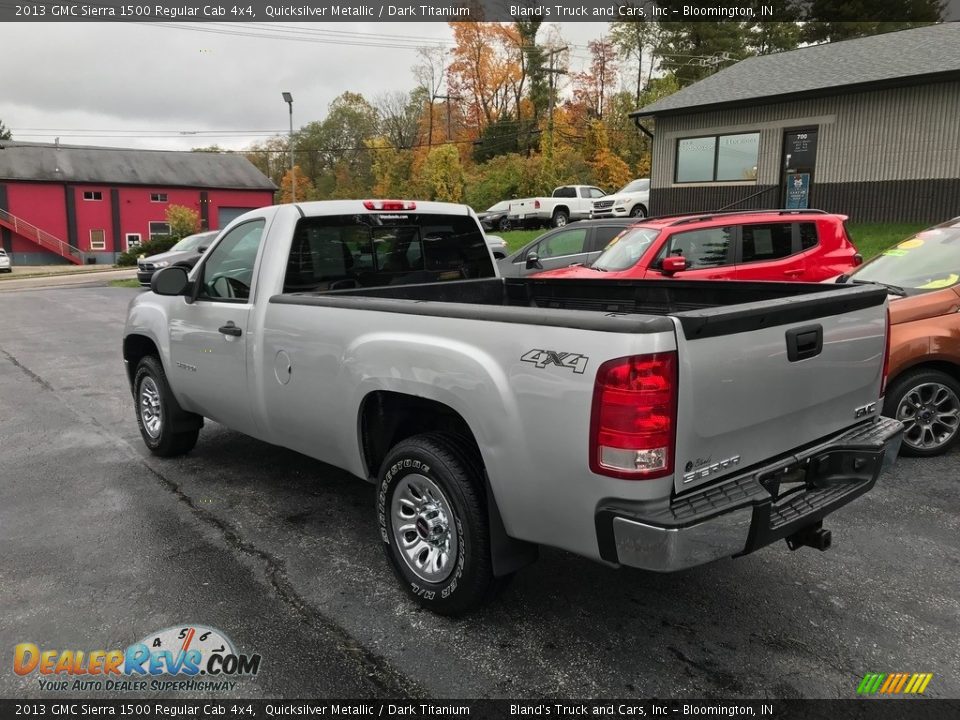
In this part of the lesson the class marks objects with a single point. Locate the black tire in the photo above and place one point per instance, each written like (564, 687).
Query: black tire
(451, 465)
(560, 218)
(638, 211)
(919, 384)
(504, 224)
(178, 430)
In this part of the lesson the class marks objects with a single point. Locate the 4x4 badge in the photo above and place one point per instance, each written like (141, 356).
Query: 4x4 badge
(542, 358)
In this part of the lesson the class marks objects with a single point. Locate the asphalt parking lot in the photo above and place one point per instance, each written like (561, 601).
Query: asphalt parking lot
(102, 543)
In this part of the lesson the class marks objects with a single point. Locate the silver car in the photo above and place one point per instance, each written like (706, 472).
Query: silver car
(185, 253)
(580, 243)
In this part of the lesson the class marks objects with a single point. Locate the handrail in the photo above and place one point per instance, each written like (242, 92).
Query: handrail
(41, 237)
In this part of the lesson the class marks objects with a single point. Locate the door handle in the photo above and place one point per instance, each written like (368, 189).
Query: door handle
(793, 273)
(231, 329)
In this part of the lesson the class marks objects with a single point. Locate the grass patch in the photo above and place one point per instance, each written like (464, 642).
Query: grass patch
(130, 282)
(870, 238)
(873, 238)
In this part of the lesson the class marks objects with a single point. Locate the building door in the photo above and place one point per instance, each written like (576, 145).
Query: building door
(227, 215)
(799, 162)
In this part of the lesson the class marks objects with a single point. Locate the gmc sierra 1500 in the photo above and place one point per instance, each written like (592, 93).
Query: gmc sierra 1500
(654, 424)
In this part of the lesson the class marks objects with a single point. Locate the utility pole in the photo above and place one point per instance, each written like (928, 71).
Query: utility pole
(448, 98)
(551, 71)
(288, 99)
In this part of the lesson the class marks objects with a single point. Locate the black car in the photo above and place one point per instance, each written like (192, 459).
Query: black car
(185, 253)
(495, 217)
(581, 242)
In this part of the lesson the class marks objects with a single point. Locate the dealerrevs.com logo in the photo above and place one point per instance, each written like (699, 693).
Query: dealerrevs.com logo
(189, 658)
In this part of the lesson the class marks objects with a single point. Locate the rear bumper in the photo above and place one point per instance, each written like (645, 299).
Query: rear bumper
(753, 509)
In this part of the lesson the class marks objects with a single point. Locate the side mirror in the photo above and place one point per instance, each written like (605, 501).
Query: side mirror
(533, 262)
(202, 249)
(170, 281)
(673, 264)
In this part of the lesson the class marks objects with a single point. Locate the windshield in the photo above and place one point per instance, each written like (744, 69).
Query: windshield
(191, 242)
(499, 207)
(625, 249)
(930, 260)
(635, 186)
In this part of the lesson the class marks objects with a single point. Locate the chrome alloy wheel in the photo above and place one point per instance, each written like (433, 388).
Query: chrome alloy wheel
(151, 412)
(930, 413)
(423, 528)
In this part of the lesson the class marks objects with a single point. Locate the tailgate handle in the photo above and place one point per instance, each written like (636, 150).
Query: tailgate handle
(804, 342)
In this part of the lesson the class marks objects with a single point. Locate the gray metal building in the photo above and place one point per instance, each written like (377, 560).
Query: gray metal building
(867, 127)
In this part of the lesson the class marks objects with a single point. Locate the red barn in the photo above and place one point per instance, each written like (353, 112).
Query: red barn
(63, 203)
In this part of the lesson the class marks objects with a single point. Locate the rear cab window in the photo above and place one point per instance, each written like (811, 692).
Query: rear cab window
(341, 252)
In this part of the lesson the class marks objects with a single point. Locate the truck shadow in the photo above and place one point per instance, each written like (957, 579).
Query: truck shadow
(773, 624)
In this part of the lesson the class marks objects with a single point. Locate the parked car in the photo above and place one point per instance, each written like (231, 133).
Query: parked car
(656, 424)
(568, 203)
(495, 217)
(497, 245)
(923, 276)
(632, 200)
(185, 254)
(558, 248)
(5, 265)
(805, 245)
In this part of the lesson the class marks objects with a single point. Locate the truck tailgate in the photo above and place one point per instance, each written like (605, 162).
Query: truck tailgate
(760, 380)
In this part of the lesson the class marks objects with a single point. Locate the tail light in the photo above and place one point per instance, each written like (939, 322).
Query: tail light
(886, 358)
(536, 204)
(634, 417)
(389, 204)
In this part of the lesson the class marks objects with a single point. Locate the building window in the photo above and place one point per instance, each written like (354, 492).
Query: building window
(133, 240)
(719, 158)
(92, 195)
(158, 197)
(98, 240)
(159, 229)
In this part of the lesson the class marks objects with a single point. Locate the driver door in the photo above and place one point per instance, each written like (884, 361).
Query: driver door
(209, 337)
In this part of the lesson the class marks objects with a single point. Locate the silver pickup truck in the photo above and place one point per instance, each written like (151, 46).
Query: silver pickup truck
(652, 424)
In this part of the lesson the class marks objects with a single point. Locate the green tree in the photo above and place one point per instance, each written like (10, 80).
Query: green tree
(636, 40)
(183, 221)
(392, 168)
(441, 177)
(832, 20)
(5, 132)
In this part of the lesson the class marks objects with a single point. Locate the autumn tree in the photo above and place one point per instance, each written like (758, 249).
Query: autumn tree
(271, 157)
(304, 187)
(399, 114)
(441, 177)
(482, 71)
(183, 221)
(593, 87)
(392, 168)
(609, 171)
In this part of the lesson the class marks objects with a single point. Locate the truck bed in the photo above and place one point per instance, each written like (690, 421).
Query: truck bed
(704, 308)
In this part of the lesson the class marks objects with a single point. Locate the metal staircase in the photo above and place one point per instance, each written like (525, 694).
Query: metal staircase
(40, 237)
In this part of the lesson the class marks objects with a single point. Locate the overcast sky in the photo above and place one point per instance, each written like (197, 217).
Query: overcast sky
(102, 78)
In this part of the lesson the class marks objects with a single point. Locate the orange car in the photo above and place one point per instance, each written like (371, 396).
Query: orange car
(923, 390)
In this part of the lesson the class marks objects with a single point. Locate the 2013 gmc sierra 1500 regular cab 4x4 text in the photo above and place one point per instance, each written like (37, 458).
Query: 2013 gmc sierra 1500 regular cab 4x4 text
(653, 424)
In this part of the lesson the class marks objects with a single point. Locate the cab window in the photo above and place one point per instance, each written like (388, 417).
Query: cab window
(227, 274)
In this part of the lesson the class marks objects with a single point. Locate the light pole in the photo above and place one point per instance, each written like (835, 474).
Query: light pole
(288, 99)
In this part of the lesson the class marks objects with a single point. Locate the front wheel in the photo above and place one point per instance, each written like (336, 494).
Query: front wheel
(431, 507)
(167, 430)
(504, 224)
(927, 402)
(638, 211)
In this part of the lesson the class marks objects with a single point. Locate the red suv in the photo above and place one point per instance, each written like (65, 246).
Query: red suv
(804, 245)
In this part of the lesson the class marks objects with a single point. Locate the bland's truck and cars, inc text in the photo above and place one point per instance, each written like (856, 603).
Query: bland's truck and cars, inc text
(651, 424)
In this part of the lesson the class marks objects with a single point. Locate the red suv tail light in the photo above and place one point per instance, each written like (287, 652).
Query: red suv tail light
(634, 417)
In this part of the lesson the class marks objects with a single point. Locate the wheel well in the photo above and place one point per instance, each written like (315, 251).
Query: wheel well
(135, 348)
(949, 368)
(558, 208)
(386, 418)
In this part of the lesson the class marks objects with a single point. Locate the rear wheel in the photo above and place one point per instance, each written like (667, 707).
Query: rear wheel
(560, 218)
(927, 402)
(431, 507)
(167, 430)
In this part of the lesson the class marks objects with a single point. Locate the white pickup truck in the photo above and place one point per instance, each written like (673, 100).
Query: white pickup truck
(652, 424)
(568, 202)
